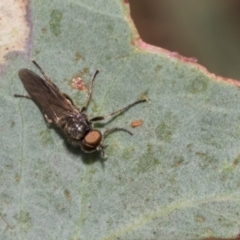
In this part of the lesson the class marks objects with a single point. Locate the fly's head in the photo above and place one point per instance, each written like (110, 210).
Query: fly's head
(92, 142)
(79, 132)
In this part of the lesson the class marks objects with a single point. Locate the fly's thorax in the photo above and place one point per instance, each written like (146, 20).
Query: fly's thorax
(76, 127)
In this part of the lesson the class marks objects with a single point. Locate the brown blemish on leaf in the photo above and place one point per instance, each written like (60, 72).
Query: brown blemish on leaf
(67, 194)
(136, 123)
(14, 28)
(78, 56)
(85, 70)
(17, 178)
(6, 222)
(24, 219)
(236, 161)
(44, 30)
(237, 238)
(55, 22)
(78, 83)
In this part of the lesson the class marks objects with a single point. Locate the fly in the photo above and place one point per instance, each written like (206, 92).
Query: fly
(59, 109)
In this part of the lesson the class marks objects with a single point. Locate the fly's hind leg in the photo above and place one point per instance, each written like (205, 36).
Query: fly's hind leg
(42, 72)
(23, 96)
(48, 120)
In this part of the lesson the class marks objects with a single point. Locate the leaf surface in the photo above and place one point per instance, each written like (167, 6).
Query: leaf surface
(176, 178)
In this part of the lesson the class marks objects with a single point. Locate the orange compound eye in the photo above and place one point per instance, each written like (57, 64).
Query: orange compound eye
(92, 140)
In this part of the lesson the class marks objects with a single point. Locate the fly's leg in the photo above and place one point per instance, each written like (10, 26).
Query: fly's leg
(42, 72)
(115, 130)
(100, 118)
(23, 96)
(109, 131)
(84, 108)
(45, 76)
(101, 149)
(45, 115)
(48, 120)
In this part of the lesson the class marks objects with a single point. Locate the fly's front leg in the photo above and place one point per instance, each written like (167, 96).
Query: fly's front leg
(109, 131)
(84, 108)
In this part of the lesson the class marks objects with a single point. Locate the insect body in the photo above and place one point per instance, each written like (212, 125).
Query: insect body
(59, 109)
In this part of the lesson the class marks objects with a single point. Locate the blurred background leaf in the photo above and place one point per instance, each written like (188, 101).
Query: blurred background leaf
(207, 30)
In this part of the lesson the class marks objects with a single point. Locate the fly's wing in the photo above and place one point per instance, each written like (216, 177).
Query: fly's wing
(46, 94)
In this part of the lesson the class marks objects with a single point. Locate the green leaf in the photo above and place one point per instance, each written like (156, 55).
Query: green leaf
(176, 178)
